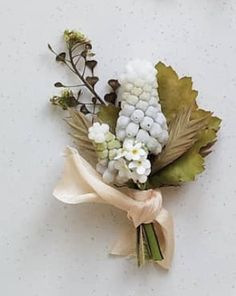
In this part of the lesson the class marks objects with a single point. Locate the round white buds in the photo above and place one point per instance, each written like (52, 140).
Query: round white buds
(140, 105)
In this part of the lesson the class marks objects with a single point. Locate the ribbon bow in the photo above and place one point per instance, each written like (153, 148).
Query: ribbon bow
(80, 183)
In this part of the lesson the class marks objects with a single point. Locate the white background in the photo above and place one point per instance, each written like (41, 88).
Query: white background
(48, 248)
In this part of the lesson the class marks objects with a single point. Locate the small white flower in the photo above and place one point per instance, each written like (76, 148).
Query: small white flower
(140, 166)
(97, 132)
(133, 151)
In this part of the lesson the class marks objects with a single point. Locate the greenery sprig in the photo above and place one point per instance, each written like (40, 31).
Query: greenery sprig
(79, 59)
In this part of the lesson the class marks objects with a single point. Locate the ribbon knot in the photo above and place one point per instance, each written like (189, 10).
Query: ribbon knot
(147, 207)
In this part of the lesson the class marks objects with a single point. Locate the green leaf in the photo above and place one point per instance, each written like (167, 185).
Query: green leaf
(175, 93)
(184, 169)
(109, 114)
(208, 135)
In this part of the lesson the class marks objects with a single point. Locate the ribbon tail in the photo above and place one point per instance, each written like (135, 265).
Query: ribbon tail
(72, 188)
(165, 231)
(125, 245)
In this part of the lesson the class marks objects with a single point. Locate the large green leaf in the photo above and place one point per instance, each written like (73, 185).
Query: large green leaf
(176, 94)
(208, 135)
(184, 169)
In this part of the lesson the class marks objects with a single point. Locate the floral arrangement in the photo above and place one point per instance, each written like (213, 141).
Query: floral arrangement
(145, 133)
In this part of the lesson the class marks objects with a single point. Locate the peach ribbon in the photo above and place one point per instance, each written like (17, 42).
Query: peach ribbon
(80, 183)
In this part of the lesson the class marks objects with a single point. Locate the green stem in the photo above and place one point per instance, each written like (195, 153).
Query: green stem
(153, 242)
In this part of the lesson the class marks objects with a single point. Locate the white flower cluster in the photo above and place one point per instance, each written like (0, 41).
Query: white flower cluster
(137, 166)
(130, 163)
(119, 165)
(140, 117)
(98, 132)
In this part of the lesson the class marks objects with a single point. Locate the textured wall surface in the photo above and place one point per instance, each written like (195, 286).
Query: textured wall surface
(47, 248)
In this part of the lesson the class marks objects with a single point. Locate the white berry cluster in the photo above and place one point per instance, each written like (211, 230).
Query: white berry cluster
(140, 117)
(106, 146)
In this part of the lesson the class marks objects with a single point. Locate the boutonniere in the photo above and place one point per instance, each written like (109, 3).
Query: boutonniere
(145, 133)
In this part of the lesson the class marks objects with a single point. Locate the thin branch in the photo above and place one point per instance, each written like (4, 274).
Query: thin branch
(90, 88)
(77, 85)
(84, 67)
(76, 46)
(71, 69)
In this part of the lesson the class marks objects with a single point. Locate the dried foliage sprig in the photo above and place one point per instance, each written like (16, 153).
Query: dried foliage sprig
(78, 58)
(80, 125)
